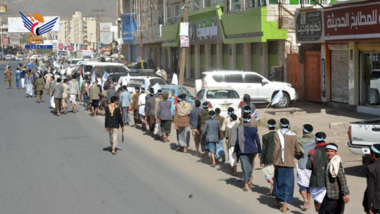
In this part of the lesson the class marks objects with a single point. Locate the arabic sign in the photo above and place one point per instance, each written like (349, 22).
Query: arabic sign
(38, 46)
(352, 22)
(309, 27)
(205, 31)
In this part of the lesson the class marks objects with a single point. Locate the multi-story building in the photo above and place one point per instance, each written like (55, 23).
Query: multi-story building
(63, 34)
(90, 35)
(252, 35)
(76, 28)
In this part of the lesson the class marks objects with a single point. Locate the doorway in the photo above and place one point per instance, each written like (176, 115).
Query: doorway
(313, 87)
(370, 79)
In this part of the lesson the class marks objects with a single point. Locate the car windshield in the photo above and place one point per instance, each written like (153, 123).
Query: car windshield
(74, 62)
(171, 92)
(155, 81)
(222, 94)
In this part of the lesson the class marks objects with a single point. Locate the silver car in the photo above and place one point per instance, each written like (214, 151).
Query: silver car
(222, 98)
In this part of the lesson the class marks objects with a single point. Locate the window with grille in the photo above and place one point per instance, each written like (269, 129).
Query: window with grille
(235, 5)
(176, 10)
(219, 2)
(169, 11)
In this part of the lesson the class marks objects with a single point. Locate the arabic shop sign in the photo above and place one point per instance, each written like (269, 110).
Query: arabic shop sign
(309, 27)
(352, 22)
(204, 31)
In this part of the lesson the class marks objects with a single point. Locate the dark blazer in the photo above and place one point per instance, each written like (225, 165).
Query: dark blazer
(372, 194)
(335, 187)
(211, 130)
(267, 148)
(113, 121)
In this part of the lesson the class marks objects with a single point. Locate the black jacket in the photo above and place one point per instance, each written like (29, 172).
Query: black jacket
(267, 148)
(372, 194)
(115, 121)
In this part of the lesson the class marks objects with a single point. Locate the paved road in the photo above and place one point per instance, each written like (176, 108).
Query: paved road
(58, 165)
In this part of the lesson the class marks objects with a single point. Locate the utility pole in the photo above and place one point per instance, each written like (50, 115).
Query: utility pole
(119, 28)
(141, 39)
(98, 24)
(183, 49)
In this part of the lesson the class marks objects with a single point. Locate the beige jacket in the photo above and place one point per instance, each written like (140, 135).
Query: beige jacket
(291, 150)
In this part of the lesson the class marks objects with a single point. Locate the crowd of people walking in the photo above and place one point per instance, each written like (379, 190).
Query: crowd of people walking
(280, 152)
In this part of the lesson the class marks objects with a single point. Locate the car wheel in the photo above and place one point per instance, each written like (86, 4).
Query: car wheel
(284, 102)
(373, 97)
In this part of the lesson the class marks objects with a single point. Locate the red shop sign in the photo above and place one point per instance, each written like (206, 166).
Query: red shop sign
(352, 22)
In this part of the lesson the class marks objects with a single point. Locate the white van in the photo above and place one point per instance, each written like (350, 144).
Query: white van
(258, 87)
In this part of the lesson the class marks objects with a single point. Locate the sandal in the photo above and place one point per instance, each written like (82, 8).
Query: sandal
(277, 206)
(284, 211)
(245, 189)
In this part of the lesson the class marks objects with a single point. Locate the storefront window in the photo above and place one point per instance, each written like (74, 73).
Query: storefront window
(370, 79)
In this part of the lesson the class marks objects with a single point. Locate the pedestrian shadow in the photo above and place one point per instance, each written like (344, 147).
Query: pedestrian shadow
(109, 149)
(237, 182)
(358, 171)
(270, 200)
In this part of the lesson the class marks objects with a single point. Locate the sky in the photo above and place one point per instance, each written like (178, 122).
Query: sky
(63, 8)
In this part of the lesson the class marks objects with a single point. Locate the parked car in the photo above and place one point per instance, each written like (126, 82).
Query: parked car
(361, 136)
(220, 97)
(258, 87)
(34, 57)
(174, 91)
(20, 58)
(140, 81)
(8, 57)
(115, 70)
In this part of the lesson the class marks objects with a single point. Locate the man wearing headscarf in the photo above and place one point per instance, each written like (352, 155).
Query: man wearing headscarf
(231, 136)
(194, 115)
(219, 146)
(307, 143)
(149, 111)
(316, 161)
(266, 160)
(29, 81)
(246, 148)
(248, 111)
(141, 102)
(247, 102)
(113, 121)
(125, 102)
(210, 133)
(164, 116)
(8, 77)
(285, 150)
(182, 122)
(203, 117)
(337, 192)
(135, 105)
(371, 201)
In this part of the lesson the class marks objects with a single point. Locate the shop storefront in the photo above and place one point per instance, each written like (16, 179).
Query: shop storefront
(352, 32)
(170, 50)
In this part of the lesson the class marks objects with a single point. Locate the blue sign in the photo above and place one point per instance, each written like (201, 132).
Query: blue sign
(128, 25)
(38, 46)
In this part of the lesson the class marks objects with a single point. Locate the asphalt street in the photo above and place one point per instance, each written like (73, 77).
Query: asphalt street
(52, 164)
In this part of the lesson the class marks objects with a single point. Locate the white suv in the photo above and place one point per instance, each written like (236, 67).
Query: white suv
(252, 83)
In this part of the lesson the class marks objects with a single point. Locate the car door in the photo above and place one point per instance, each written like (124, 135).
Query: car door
(236, 82)
(260, 91)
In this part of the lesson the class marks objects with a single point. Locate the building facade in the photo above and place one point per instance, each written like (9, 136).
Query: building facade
(64, 33)
(76, 28)
(340, 57)
(90, 36)
(251, 35)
